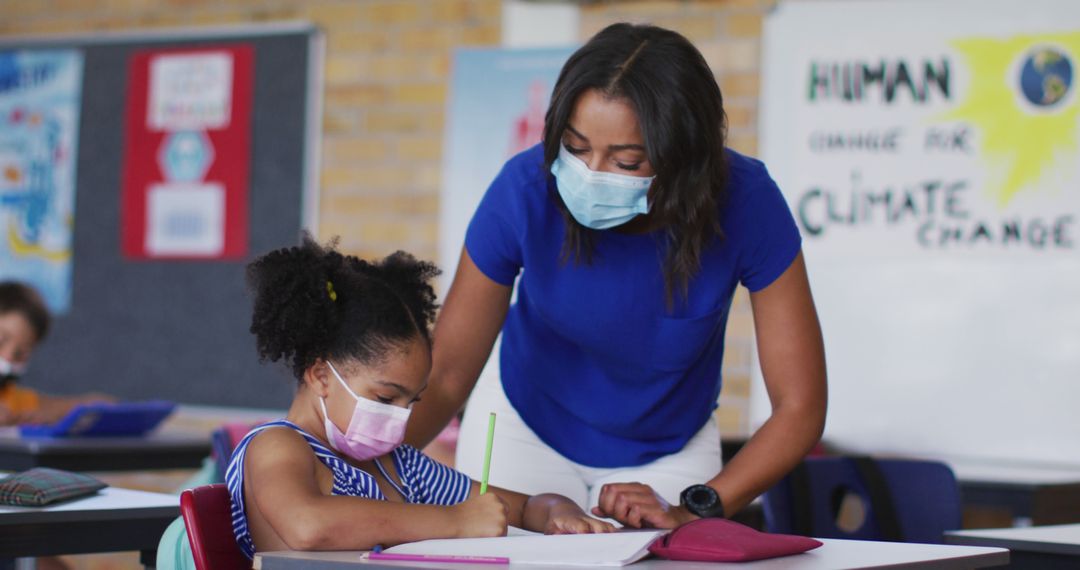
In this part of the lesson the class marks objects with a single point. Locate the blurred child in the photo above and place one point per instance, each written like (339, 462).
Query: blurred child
(333, 474)
(24, 322)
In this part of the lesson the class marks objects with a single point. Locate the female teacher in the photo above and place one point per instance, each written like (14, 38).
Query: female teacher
(627, 229)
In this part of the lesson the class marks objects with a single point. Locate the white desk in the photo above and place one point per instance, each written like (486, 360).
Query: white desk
(114, 520)
(156, 451)
(1040, 494)
(1056, 546)
(833, 555)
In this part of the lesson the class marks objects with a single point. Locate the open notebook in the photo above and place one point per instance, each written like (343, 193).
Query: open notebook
(524, 547)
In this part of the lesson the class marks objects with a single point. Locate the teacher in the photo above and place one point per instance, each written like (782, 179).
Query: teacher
(627, 230)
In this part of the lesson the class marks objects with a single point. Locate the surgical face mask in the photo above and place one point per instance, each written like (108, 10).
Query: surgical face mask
(9, 371)
(599, 200)
(374, 430)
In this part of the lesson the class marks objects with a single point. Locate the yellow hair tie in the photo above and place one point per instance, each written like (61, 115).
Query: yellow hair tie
(330, 290)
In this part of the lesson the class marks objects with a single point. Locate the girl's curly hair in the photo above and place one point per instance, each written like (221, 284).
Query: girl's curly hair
(312, 302)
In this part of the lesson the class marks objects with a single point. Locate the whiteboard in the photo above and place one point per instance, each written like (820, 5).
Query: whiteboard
(936, 345)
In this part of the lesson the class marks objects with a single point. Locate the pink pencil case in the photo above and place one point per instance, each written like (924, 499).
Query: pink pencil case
(721, 540)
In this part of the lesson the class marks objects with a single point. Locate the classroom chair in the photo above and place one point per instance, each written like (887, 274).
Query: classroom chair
(224, 440)
(206, 512)
(895, 500)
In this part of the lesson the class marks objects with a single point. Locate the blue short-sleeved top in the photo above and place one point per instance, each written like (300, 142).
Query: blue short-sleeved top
(423, 480)
(592, 357)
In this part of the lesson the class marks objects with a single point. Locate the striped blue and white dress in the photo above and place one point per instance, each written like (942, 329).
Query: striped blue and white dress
(423, 480)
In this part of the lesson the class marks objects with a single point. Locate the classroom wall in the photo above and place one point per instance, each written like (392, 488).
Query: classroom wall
(386, 77)
(387, 64)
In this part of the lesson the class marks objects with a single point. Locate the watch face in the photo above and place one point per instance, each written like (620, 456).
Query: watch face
(703, 501)
(701, 496)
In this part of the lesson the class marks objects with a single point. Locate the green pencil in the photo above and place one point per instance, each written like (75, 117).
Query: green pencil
(487, 453)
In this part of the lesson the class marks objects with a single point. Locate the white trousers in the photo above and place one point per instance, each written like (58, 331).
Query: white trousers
(521, 462)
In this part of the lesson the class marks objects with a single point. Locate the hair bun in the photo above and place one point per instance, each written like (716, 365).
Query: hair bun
(313, 302)
(294, 314)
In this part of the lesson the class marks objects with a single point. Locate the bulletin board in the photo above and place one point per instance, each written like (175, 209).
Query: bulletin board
(928, 151)
(178, 328)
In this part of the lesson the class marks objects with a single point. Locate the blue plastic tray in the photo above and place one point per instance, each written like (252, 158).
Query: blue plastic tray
(105, 420)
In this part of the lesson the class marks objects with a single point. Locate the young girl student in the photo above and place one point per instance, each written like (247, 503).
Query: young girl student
(333, 474)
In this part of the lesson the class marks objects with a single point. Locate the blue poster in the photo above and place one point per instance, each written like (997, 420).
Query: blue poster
(498, 98)
(40, 93)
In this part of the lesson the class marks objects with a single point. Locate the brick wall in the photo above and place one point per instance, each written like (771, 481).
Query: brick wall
(387, 68)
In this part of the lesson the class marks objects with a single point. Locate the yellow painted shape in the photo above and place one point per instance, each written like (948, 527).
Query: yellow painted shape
(1019, 145)
(23, 248)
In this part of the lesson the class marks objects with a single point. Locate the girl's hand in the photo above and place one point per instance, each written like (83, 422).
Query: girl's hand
(638, 506)
(481, 516)
(569, 519)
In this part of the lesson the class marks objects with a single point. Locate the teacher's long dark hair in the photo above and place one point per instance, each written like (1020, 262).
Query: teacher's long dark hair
(681, 114)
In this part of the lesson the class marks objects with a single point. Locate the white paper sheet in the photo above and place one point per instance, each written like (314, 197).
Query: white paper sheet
(186, 219)
(613, 549)
(515, 531)
(190, 91)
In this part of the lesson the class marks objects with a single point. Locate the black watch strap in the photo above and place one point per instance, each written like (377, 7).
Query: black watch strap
(703, 501)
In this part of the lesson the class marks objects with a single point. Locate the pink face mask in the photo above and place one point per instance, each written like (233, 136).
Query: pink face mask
(374, 430)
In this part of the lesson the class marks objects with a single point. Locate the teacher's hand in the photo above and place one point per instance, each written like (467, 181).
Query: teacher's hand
(573, 521)
(637, 506)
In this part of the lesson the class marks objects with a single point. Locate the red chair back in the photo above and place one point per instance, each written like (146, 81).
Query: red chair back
(207, 517)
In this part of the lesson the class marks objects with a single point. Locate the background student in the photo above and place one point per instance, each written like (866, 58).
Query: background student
(24, 323)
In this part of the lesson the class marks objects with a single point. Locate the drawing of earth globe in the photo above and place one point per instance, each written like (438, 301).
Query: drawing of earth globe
(1046, 77)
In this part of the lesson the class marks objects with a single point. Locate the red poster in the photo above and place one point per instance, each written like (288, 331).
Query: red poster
(187, 154)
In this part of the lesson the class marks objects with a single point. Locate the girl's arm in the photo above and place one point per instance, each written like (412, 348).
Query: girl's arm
(282, 496)
(547, 513)
(465, 331)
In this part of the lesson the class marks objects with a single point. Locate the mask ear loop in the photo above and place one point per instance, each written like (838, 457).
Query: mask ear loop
(349, 390)
(340, 379)
(322, 400)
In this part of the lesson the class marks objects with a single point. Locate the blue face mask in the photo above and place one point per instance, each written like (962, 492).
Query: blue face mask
(599, 200)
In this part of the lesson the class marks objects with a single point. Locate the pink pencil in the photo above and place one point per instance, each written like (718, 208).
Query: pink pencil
(438, 558)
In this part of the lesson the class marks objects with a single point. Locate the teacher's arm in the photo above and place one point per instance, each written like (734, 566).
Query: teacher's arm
(792, 356)
(465, 331)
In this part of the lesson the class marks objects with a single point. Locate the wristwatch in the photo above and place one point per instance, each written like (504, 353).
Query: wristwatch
(703, 501)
